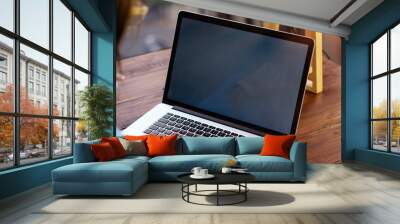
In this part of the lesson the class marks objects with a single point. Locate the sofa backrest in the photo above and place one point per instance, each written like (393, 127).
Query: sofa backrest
(249, 145)
(190, 146)
(205, 145)
(83, 153)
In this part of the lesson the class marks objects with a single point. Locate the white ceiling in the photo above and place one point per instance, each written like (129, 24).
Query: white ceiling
(320, 9)
(318, 15)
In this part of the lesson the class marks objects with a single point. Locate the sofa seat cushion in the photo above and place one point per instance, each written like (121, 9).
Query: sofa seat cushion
(113, 171)
(185, 163)
(257, 163)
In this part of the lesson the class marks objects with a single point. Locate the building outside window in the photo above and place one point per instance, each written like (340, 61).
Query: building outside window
(30, 87)
(43, 90)
(3, 72)
(385, 94)
(56, 128)
(30, 72)
(37, 74)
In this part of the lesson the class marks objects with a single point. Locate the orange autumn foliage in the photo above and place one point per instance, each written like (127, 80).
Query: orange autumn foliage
(33, 130)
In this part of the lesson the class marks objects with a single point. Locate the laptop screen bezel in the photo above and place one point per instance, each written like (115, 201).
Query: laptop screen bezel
(249, 28)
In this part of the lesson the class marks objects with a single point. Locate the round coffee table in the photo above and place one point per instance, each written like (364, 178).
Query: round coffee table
(238, 179)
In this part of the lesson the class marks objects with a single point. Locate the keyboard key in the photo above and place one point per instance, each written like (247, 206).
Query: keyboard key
(162, 120)
(166, 117)
(171, 123)
(159, 124)
(153, 127)
(199, 132)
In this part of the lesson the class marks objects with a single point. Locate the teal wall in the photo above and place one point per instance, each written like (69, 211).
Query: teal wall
(24, 178)
(104, 52)
(355, 91)
(100, 16)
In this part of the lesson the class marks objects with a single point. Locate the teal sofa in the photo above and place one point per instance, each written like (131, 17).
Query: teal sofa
(125, 176)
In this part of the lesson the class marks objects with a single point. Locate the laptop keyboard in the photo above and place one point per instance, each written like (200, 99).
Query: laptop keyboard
(171, 124)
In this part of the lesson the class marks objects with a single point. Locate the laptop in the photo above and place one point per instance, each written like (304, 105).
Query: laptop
(229, 79)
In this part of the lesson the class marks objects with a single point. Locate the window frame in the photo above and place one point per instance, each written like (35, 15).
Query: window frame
(16, 114)
(388, 74)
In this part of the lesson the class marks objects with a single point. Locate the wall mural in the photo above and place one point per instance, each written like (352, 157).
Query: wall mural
(145, 35)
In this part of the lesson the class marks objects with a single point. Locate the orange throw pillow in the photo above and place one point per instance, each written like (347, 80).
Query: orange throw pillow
(103, 151)
(116, 145)
(277, 145)
(161, 145)
(136, 138)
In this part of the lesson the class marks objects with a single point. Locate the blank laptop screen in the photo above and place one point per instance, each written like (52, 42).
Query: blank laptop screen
(246, 76)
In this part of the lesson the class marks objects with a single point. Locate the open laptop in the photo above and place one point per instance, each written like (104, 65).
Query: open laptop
(229, 79)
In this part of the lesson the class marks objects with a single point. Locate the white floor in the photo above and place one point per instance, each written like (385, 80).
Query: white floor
(377, 190)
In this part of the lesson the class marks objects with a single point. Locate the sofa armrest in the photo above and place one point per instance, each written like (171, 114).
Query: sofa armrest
(298, 155)
(83, 152)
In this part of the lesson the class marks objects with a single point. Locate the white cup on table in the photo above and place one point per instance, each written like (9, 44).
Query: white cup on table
(197, 171)
(203, 172)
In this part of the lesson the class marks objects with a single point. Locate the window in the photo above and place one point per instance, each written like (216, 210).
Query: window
(38, 89)
(81, 45)
(385, 91)
(30, 72)
(62, 29)
(44, 91)
(34, 21)
(7, 14)
(3, 61)
(47, 75)
(3, 78)
(38, 74)
(62, 74)
(30, 87)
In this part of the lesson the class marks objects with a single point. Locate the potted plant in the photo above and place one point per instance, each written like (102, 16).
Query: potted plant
(96, 102)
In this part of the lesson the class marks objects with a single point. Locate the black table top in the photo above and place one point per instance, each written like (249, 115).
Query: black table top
(220, 178)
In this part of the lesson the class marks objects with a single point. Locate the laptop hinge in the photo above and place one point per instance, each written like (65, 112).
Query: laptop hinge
(214, 119)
